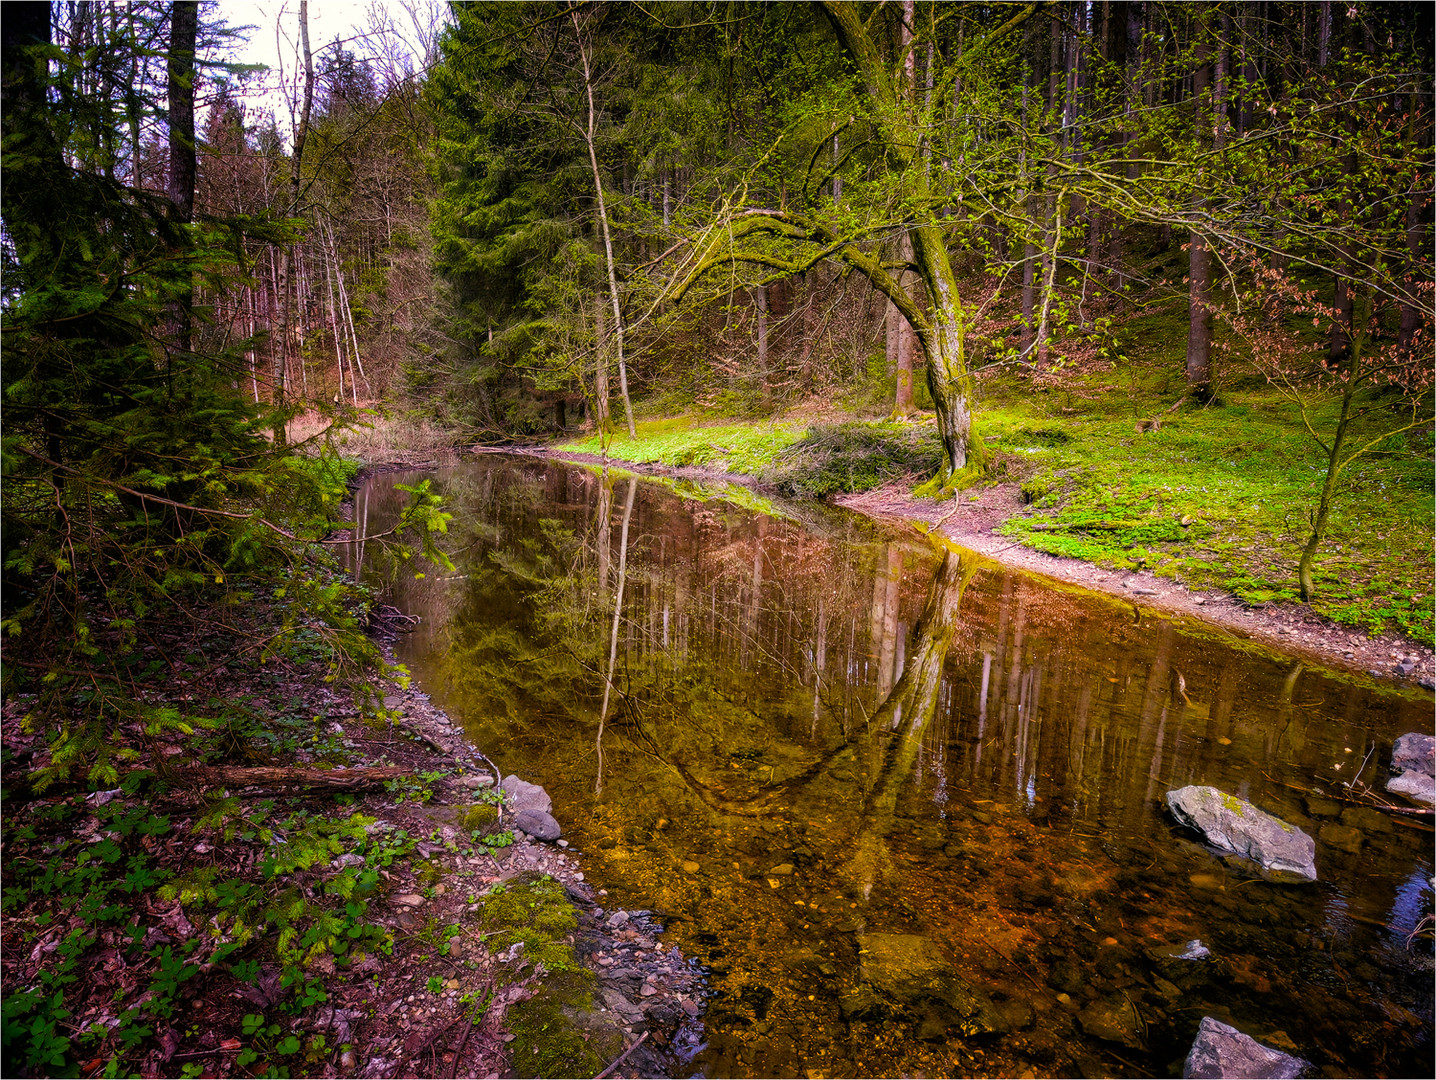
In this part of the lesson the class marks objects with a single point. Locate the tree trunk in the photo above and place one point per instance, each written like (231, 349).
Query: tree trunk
(180, 69)
(903, 345)
(600, 370)
(1199, 328)
(296, 162)
(760, 301)
(589, 138)
(942, 324)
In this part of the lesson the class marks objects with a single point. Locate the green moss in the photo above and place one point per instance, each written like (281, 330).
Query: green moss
(534, 910)
(479, 816)
(548, 1040)
(428, 873)
(743, 448)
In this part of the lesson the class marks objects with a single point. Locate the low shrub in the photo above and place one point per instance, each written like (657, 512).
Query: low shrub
(851, 457)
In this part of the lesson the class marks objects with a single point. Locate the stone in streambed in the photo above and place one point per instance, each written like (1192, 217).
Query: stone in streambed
(1235, 826)
(909, 973)
(525, 796)
(1114, 1019)
(1413, 759)
(538, 824)
(1222, 1051)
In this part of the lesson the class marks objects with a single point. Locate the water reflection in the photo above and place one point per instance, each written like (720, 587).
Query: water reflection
(849, 731)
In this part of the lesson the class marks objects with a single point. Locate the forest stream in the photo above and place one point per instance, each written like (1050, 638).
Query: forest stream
(904, 804)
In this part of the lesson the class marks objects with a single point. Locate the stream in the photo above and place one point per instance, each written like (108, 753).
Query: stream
(839, 761)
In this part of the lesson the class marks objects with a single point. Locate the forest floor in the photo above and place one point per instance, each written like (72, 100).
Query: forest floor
(303, 868)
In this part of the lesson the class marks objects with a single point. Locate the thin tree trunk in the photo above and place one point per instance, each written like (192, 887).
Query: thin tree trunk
(760, 300)
(600, 372)
(183, 160)
(1199, 327)
(589, 138)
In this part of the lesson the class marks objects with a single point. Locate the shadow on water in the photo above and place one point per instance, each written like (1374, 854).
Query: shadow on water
(906, 804)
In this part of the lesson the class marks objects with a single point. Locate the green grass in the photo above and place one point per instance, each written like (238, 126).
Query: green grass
(1220, 497)
(681, 441)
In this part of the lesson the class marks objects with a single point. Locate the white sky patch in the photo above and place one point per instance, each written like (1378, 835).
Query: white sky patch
(395, 36)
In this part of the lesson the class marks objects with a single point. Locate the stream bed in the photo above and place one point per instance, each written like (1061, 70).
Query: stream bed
(904, 804)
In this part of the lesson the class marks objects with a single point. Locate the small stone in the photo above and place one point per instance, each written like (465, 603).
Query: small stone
(409, 899)
(451, 984)
(1343, 837)
(648, 990)
(348, 1061)
(691, 867)
(782, 870)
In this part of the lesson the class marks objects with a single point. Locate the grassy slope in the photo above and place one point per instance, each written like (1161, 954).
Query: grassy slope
(1216, 497)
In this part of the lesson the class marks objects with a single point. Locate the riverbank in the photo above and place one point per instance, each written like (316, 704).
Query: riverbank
(307, 870)
(973, 521)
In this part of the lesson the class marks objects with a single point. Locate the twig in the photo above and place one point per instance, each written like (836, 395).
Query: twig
(458, 1050)
(622, 1058)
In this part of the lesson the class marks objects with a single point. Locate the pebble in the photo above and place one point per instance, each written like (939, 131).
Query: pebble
(691, 867)
(409, 899)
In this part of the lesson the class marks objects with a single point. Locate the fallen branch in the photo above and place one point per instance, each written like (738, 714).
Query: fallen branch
(278, 776)
(622, 1058)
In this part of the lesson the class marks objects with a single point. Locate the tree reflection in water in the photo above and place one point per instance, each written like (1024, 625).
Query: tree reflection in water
(991, 779)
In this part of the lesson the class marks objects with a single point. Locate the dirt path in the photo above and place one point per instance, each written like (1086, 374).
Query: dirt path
(972, 523)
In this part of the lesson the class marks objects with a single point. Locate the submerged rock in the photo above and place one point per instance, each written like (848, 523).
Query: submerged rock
(1237, 827)
(908, 972)
(1113, 1018)
(1223, 1051)
(1188, 950)
(1413, 759)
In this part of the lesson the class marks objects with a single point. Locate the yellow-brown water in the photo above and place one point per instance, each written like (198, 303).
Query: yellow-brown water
(819, 730)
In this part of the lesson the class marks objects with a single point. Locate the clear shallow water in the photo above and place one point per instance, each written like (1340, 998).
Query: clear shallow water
(819, 730)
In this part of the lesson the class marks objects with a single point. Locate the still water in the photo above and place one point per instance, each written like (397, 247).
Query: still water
(798, 735)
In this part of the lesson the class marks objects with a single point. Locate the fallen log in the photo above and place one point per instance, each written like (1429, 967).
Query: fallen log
(295, 776)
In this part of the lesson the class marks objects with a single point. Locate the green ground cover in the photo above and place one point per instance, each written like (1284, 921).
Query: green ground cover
(1219, 497)
(686, 440)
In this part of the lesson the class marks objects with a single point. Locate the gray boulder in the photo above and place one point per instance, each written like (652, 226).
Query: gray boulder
(1235, 826)
(1223, 1051)
(536, 823)
(525, 796)
(1413, 759)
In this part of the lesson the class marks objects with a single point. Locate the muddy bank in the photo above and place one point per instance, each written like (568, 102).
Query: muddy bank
(972, 520)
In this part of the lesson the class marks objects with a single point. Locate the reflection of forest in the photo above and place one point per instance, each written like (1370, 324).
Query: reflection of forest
(873, 710)
(787, 637)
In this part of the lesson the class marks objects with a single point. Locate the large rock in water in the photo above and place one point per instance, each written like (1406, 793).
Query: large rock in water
(1223, 1051)
(1413, 759)
(1237, 827)
(908, 973)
